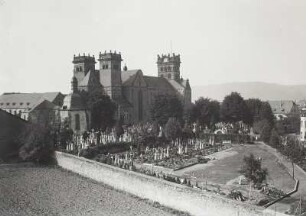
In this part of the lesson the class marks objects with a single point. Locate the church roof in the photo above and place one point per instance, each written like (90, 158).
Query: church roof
(85, 80)
(90, 77)
(73, 101)
(125, 75)
(25, 100)
(157, 82)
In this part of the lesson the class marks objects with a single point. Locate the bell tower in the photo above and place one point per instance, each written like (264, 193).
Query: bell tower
(82, 65)
(169, 66)
(110, 73)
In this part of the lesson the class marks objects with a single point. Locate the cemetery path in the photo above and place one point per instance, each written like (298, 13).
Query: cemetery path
(300, 174)
(33, 190)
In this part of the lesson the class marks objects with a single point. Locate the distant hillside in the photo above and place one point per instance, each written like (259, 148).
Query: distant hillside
(263, 91)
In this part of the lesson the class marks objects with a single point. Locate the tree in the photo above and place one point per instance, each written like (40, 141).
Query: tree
(119, 129)
(37, 144)
(102, 113)
(254, 106)
(263, 127)
(294, 151)
(252, 169)
(265, 112)
(206, 112)
(288, 125)
(275, 140)
(165, 107)
(66, 136)
(172, 129)
(234, 109)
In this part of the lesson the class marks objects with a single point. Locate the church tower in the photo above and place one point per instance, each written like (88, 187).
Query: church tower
(82, 65)
(169, 66)
(110, 74)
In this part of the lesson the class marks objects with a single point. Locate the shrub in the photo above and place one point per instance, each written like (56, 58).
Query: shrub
(275, 140)
(252, 170)
(173, 129)
(37, 144)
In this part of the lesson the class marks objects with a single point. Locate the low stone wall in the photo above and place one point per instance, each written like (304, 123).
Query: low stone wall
(173, 195)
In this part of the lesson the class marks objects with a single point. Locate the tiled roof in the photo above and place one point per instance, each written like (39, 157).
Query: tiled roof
(25, 100)
(158, 82)
(282, 107)
(85, 80)
(125, 75)
(43, 104)
(73, 101)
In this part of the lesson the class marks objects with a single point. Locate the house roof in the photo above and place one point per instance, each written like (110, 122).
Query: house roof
(25, 100)
(282, 107)
(43, 104)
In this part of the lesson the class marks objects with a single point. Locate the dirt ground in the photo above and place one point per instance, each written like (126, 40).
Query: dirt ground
(32, 190)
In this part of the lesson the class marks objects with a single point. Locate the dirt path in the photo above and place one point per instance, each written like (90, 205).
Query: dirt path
(284, 205)
(32, 190)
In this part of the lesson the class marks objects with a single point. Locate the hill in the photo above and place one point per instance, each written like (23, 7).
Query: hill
(263, 91)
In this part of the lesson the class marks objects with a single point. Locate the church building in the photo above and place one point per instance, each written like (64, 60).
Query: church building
(132, 90)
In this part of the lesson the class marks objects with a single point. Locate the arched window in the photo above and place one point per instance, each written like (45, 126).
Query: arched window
(169, 76)
(77, 122)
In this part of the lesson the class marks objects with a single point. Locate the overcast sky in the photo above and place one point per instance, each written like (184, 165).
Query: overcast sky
(219, 40)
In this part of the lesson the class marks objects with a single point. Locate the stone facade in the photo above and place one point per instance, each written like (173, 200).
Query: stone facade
(133, 91)
(73, 111)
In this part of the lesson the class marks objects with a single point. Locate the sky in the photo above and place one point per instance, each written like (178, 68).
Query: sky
(219, 41)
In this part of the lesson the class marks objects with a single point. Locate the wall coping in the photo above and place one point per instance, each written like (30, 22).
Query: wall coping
(162, 181)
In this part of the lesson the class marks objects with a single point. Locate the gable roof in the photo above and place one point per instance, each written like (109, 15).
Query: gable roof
(25, 100)
(43, 104)
(158, 82)
(125, 75)
(282, 107)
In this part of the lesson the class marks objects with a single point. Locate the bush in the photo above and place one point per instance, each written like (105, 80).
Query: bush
(173, 129)
(37, 144)
(275, 140)
(252, 170)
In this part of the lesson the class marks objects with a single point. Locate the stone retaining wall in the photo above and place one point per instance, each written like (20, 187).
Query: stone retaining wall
(169, 194)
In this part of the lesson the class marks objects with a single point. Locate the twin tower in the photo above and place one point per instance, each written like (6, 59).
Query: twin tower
(110, 73)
